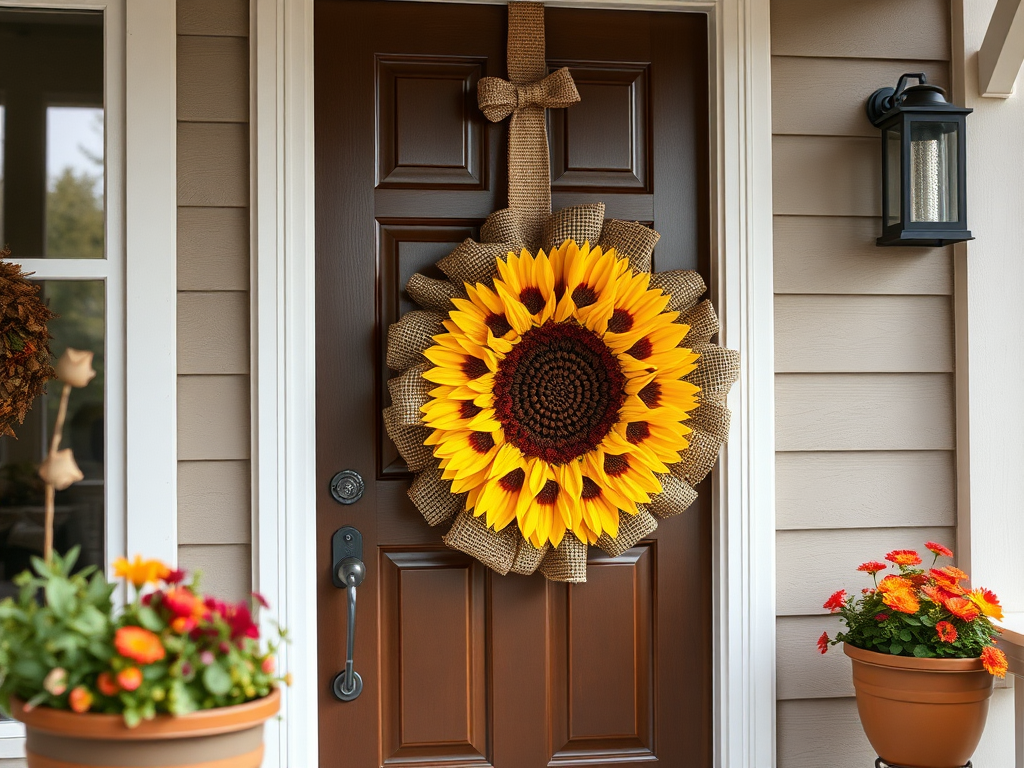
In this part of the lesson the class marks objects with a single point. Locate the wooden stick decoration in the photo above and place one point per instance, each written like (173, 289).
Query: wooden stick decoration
(59, 471)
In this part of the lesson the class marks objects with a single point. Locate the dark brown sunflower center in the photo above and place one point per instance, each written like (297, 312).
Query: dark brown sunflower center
(558, 392)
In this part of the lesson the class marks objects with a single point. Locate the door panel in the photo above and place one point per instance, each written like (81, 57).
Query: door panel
(462, 667)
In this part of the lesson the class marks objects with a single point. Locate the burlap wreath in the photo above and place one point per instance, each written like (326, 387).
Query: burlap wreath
(24, 345)
(474, 262)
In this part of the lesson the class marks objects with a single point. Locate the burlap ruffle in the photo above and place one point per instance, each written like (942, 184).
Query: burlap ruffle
(632, 528)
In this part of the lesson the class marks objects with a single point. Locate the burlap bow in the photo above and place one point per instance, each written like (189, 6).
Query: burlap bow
(499, 98)
(525, 96)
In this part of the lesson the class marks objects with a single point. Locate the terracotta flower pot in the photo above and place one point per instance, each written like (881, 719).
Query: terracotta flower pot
(230, 737)
(921, 713)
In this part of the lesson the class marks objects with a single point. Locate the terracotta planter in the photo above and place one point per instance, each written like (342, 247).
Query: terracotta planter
(231, 737)
(921, 713)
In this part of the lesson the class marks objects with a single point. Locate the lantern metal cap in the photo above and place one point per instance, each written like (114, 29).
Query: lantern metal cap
(885, 102)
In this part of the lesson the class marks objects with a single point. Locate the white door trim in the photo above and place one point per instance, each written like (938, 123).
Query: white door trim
(284, 350)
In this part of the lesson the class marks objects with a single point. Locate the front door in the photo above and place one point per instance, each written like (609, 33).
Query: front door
(461, 666)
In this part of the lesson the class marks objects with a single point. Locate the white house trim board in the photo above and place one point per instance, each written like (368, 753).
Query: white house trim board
(284, 392)
(1002, 52)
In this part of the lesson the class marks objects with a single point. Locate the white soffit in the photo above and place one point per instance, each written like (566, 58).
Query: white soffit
(1002, 53)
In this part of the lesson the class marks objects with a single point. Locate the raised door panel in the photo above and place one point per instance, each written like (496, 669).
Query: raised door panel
(603, 666)
(435, 685)
(405, 248)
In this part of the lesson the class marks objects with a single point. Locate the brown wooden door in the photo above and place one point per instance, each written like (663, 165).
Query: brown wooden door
(463, 667)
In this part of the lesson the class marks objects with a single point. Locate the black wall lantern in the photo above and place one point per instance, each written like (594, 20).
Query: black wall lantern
(924, 178)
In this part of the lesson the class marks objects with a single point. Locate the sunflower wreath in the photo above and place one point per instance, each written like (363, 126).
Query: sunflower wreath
(556, 397)
(24, 345)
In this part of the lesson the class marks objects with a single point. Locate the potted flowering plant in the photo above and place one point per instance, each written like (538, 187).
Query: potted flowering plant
(924, 654)
(174, 678)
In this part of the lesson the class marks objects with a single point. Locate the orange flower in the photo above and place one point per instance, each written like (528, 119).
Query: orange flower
(987, 601)
(823, 642)
(938, 549)
(952, 572)
(872, 567)
(140, 572)
(902, 601)
(947, 582)
(894, 583)
(139, 645)
(130, 679)
(937, 593)
(962, 608)
(947, 632)
(183, 624)
(107, 684)
(994, 661)
(904, 557)
(80, 699)
(836, 601)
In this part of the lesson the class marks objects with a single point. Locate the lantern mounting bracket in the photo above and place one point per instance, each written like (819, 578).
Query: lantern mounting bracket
(884, 100)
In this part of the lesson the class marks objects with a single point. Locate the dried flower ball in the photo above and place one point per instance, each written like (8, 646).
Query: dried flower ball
(25, 361)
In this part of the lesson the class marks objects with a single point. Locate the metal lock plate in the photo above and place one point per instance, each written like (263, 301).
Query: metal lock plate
(347, 487)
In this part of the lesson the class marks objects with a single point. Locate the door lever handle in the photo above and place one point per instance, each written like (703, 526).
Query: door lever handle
(348, 573)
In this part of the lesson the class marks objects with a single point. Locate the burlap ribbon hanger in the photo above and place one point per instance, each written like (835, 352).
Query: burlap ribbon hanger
(527, 222)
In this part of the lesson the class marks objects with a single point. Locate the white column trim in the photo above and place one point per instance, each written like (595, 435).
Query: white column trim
(284, 360)
(151, 278)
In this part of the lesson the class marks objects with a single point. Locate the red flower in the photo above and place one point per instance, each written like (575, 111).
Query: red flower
(881, 616)
(938, 549)
(994, 661)
(872, 567)
(823, 642)
(904, 557)
(107, 684)
(947, 632)
(260, 600)
(836, 601)
(176, 576)
(181, 602)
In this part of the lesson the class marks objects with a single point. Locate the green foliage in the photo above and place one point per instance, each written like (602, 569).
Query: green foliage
(74, 217)
(170, 651)
(72, 630)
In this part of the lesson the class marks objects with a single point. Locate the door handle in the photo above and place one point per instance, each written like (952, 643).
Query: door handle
(348, 572)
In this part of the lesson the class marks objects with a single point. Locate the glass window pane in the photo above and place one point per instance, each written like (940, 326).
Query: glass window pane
(933, 171)
(51, 78)
(74, 183)
(895, 179)
(79, 511)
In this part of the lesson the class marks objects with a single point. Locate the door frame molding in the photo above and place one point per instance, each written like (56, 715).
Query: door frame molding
(284, 387)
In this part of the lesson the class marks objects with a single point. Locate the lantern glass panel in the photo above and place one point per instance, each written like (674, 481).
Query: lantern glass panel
(933, 171)
(893, 176)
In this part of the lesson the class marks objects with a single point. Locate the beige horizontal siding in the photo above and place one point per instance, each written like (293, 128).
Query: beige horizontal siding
(838, 255)
(213, 164)
(813, 564)
(868, 29)
(863, 412)
(213, 249)
(213, 17)
(863, 334)
(224, 98)
(822, 734)
(213, 418)
(864, 345)
(826, 176)
(213, 332)
(802, 672)
(226, 568)
(865, 489)
(214, 502)
(214, 410)
(826, 97)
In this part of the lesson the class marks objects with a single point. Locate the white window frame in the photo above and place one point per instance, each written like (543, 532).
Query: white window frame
(139, 273)
(284, 391)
